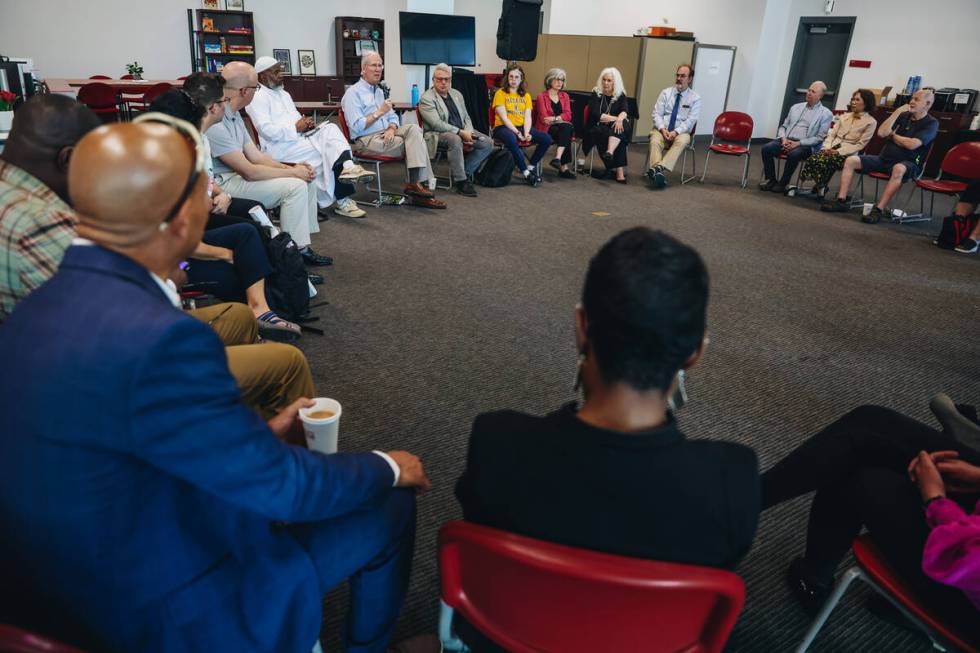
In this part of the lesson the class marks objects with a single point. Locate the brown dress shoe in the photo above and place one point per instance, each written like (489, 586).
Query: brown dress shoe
(428, 202)
(418, 644)
(417, 190)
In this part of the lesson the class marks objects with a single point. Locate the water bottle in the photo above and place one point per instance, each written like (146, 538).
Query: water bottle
(908, 85)
(415, 94)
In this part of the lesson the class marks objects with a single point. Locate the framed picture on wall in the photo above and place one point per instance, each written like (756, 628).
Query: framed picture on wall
(234, 5)
(214, 5)
(307, 62)
(285, 61)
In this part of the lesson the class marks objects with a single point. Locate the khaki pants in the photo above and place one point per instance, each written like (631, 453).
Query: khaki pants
(297, 199)
(270, 375)
(674, 151)
(407, 142)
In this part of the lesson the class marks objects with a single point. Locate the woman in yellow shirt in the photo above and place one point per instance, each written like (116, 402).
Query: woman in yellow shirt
(512, 123)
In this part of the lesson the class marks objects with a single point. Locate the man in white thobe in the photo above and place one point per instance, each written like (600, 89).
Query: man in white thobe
(286, 135)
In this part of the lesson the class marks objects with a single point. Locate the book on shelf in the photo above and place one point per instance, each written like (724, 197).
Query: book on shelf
(207, 25)
(239, 30)
(212, 48)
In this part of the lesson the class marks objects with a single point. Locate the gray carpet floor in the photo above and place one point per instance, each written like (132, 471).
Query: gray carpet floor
(436, 316)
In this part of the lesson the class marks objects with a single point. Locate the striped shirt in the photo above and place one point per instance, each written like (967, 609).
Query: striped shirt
(36, 227)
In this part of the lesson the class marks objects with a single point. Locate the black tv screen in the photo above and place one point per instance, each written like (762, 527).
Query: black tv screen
(437, 38)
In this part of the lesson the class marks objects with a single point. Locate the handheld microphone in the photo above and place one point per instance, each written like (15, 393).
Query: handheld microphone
(383, 85)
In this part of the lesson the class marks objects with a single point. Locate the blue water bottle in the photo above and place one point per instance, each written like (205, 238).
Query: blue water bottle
(415, 94)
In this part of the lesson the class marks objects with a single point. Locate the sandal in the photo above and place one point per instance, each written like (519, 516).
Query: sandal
(273, 327)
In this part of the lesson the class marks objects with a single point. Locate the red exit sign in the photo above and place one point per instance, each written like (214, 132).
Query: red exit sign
(860, 63)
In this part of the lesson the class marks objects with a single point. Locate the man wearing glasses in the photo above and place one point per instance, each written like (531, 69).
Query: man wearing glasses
(674, 117)
(288, 136)
(144, 506)
(243, 170)
(448, 126)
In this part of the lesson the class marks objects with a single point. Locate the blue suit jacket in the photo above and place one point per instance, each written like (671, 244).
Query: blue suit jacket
(137, 490)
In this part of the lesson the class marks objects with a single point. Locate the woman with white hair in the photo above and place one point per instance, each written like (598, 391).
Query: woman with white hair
(553, 114)
(608, 127)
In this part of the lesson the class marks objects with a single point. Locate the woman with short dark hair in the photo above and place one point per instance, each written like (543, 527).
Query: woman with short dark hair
(553, 114)
(850, 134)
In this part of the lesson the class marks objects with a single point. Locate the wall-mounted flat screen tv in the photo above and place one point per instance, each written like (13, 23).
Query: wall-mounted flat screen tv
(428, 39)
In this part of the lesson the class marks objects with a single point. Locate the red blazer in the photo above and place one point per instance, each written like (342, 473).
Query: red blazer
(542, 109)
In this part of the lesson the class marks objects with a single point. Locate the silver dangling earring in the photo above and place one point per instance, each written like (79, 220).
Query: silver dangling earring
(679, 397)
(578, 372)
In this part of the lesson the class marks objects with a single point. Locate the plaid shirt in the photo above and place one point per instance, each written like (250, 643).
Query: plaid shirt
(36, 227)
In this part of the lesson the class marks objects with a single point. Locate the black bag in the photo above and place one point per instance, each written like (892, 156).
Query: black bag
(287, 288)
(496, 169)
(955, 229)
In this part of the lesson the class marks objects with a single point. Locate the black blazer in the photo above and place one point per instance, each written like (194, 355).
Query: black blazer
(653, 495)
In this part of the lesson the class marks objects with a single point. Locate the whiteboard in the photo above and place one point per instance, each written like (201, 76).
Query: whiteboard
(712, 80)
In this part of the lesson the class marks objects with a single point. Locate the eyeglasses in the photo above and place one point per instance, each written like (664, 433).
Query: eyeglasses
(189, 132)
(442, 79)
(243, 88)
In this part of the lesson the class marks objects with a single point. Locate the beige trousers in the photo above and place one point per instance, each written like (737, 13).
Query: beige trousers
(674, 149)
(270, 375)
(297, 199)
(407, 142)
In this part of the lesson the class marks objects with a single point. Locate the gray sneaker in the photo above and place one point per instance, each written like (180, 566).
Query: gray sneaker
(349, 209)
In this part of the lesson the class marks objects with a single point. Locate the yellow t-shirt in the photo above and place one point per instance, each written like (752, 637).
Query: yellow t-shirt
(514, 104)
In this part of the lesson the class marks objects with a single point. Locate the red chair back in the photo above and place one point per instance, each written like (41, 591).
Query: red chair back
(126, 77)
(100, 77)
(100, 98)
(532, 596)
(342, 123)
(733, 126)
(155, 91)
(15, 640)
(872, 561)
(963, 161)
(183, 77)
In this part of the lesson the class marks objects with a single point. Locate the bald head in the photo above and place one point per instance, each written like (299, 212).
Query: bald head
(126, 178)
(240, 82)
(45, 129)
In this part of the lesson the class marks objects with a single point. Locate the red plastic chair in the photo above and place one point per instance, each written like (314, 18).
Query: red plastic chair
(372, 159)
(102, 99)
(732, 136)
(15, 640)
(142, 103)
(531, 596)
(126, 77)
(884, 176)
(873, 569)
(962, 161)
(100, 77)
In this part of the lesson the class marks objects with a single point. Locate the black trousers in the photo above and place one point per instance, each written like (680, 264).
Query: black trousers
(601, 133)
(561, 134)
(238, 213)
(227, 281)
(857, 465)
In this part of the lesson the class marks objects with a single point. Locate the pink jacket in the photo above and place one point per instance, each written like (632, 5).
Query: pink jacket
(542, 109)
(952, 552)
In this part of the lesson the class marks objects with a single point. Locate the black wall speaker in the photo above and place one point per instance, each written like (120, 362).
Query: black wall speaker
(517, 30)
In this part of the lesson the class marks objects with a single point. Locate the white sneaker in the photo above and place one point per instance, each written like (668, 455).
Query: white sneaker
(356, 173)
(349, 209)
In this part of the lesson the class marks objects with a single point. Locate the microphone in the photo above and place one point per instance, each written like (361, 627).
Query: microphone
(383, 85)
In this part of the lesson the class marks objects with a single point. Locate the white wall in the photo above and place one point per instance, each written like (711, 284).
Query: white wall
(69, 39)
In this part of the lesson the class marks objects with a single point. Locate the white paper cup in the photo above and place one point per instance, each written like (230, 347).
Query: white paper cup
(866, 211)
(321, 433)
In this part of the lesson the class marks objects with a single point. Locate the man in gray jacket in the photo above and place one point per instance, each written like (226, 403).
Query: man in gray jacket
(447, 125)
(798, 137)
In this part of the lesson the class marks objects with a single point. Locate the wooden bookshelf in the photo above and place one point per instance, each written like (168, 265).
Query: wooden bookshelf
(215, 36)
(357, 29)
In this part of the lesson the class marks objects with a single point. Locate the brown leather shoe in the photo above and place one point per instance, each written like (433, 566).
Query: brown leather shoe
(428, 202)
(417, 190)
(418, 644)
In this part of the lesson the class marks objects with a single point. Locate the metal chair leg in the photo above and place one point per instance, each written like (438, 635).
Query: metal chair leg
(694, 165)
(446, 635)
(849, 576)
(745, 171)
(921, 216)
(704, 170)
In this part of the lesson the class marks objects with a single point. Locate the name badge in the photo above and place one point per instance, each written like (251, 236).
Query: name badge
(685, 106)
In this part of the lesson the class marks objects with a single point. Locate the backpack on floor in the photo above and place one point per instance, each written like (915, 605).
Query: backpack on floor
(955, 229)
(496, 169)
(287, 287)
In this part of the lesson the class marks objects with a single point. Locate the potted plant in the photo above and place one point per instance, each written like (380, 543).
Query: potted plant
(135, 69)
(7, 100)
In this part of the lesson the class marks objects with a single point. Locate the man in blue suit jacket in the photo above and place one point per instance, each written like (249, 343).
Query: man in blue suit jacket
(137, 492)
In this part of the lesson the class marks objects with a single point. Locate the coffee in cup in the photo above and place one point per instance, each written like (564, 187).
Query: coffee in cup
(321, 424)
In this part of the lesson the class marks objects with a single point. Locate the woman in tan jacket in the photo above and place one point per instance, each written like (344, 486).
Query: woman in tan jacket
(849, 135)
